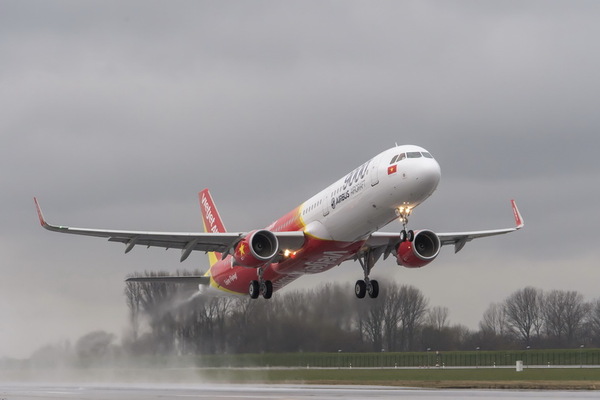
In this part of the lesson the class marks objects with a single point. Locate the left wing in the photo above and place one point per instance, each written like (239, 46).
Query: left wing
(187, 242)
(384, 243)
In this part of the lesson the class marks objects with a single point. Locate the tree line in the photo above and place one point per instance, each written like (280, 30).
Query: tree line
(174, 319)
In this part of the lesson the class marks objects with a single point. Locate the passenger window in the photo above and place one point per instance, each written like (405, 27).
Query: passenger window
(413, 154)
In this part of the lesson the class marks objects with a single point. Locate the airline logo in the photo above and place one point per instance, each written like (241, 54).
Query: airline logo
(392, 169)
(232, 278)
(211, 221)
(209, 214)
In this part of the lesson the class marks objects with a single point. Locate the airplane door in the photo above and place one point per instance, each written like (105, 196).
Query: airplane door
(375, 171)
(326, 205)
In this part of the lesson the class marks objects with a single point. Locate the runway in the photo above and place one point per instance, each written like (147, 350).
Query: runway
(283, 392)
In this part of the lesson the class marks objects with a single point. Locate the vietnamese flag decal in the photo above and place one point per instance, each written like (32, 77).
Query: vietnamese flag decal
(392, 169)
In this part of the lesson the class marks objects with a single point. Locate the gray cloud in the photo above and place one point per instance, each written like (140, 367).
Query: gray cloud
(116, 114)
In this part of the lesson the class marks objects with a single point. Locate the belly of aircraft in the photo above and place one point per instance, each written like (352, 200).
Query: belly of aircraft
(316, 256)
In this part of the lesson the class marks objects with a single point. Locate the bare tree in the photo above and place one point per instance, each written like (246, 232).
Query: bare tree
(437, 317)
(413, 312)
(392, 315)
(494, 320)
(564, 313)
(523, 313)
(94, 347)
(435, 333)
(133, 295)
(371, 316)
(594, 322)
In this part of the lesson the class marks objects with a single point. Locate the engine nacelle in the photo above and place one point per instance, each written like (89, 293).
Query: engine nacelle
(424, 248)
(256, 249)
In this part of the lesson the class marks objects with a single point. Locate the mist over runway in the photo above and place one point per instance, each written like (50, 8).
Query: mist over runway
(287, 392)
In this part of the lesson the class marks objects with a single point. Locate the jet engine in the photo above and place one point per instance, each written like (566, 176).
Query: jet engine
(256, 249)
(421, 251)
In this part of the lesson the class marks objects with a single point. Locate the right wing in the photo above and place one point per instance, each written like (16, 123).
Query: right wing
(187, 242)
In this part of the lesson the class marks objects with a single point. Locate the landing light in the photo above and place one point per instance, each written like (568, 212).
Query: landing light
(403, 210)
(288, 253)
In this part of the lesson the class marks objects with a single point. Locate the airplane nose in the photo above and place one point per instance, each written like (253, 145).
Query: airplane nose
(433, 174)
(428, 176)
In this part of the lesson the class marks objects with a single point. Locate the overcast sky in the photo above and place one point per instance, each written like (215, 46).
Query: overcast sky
(115, 114)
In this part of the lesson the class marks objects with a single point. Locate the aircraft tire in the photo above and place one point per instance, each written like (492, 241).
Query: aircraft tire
(402, 236)
(267, 290)
(373, 289)
(410, 235)
(254, 289)
(360, 289)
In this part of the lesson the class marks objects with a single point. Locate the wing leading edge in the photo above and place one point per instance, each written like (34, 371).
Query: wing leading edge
(187, 242)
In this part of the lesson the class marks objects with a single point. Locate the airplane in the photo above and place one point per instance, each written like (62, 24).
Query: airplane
(342, 222)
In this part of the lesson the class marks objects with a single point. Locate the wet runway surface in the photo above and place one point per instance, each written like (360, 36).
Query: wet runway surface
(283, 392)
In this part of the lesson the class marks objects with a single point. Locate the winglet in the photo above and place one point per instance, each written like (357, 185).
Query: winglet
(518, 218)
(39, 211)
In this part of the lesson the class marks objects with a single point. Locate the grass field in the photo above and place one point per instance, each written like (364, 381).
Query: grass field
(564, 357)
(533, 378)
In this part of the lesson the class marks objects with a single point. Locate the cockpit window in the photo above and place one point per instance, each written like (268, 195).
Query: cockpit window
(394, 159)
(413, 154)
(426, 155)
(401, 157)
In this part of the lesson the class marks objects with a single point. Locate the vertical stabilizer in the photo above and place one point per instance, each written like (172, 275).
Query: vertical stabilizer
(211, 220)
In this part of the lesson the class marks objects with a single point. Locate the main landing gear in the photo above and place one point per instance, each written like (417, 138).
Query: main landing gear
(260, 286)
(367, 286)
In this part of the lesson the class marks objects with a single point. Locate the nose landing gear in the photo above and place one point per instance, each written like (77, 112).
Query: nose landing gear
(403, 213)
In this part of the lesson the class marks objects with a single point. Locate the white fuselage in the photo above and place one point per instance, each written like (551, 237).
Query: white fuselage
(368, 198)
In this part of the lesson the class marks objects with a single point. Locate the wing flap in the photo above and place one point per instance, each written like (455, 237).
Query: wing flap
(197, 241)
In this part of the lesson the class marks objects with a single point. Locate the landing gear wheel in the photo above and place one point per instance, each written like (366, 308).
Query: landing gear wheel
(410, 235)
(402, 236)
(373, 289)
(267, 289)
(254, 289)
(360, 289)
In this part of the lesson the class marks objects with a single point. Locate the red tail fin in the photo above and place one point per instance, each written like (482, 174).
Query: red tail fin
(211, 220)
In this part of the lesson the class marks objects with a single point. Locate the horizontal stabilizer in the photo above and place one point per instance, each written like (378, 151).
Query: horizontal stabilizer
(185, 280)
